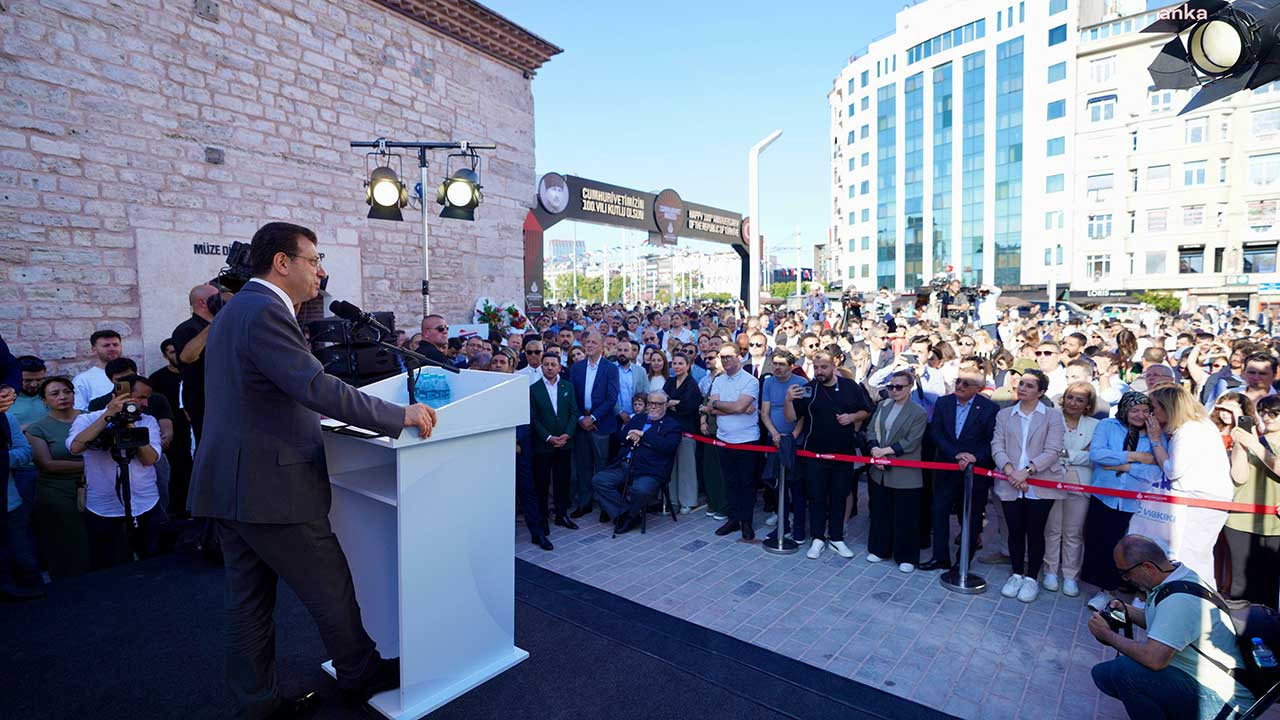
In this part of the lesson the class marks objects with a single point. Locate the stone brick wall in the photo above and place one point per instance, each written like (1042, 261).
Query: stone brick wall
(108, 107)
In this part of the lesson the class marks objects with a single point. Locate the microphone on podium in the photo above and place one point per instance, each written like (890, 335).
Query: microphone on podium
(347, 311)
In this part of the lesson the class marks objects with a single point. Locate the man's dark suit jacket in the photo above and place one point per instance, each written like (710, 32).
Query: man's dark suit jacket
(261, 458)
(604, 394)
(547, 423)
(973, 438)
(656, 453)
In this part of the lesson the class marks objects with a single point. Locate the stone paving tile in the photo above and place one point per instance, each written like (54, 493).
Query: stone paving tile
(973, 656)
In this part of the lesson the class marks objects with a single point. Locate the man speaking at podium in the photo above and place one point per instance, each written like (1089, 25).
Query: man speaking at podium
(260, 473)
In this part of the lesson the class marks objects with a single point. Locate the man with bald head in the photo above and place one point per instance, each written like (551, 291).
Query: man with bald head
(595, 386)
(1180, 669)
(435, 338)
(189, 340)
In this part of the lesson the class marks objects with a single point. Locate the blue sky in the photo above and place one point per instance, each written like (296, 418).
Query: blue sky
(662, 94)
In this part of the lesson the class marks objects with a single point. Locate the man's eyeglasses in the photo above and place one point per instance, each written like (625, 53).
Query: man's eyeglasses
(657, 404)
(1269, 414)
(964, 343)
(896, 386)
(440, 328)
(755, 344)
(728, 356)
(1046, 353)
(1124, 572)
(315, 261)
(531, 351)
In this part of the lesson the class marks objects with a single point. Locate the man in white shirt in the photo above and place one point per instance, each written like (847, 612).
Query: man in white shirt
(733, 398)
(533, 358)
(94, 382)
(989, 310)
(110, 541)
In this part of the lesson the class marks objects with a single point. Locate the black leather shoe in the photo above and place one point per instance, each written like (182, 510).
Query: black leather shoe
(748, 533)
(935, 565)
(580, 512)
(729, 527)
(604, 516)
(544, 543)
(386, 676)
(626, 524)
(296, 708)
(565, 522)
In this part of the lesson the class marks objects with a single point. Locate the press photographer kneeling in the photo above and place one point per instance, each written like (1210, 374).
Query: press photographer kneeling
(117, 443)
(1182, 669)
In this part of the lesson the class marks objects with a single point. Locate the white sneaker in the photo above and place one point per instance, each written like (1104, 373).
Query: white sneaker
(1012, 586)
(815, 549)
(1050, 582)
(1099, 601)
(720, 517)
(841, 549)
(772, 520)
(711, 513)
(873, 558)
(906, 568)
(1070, 588)
(1030, 590)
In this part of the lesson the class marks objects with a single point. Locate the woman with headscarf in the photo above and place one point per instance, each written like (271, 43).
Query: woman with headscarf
(1122, 460)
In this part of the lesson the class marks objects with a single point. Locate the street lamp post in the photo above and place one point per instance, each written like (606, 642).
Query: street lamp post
(753, 208)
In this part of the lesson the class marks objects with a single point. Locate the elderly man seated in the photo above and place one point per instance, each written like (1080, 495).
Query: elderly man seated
(648, 450)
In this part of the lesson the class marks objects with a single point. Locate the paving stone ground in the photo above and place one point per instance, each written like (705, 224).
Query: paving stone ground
(973, 656)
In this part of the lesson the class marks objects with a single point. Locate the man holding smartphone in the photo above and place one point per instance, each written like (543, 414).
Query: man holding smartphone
(832, 408)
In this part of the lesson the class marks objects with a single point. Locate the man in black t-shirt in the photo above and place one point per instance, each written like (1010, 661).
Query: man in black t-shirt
(167, 382)
(832, 408)
(189, 340)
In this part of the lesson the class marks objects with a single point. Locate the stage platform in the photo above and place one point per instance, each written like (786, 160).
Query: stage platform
(146, 641)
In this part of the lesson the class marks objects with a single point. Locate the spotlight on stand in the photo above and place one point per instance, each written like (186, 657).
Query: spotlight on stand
(1230, 47)
(460, 192)
(385, 194)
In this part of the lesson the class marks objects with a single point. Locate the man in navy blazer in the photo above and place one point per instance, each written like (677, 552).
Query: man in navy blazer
(961, 430)
(595, 387)
(649, 444)
(260, 473)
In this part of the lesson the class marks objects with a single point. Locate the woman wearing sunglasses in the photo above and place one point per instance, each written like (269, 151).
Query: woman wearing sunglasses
(896, 430)
(1028, 442)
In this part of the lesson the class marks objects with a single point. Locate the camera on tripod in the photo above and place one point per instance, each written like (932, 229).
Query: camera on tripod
(118, 435)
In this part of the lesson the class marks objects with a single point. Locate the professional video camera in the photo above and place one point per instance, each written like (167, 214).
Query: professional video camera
(118, 436)
(237, 272)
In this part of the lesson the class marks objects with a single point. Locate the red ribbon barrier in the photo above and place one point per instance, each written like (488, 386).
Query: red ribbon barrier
(1051, 484)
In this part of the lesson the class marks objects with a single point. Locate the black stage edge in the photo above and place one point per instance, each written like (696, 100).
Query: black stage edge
(145, 641)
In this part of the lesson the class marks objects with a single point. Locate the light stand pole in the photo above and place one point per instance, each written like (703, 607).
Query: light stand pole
(382, 145)
(753, 208)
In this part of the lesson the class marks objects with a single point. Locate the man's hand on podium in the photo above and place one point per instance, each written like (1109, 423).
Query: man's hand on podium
(420, 416)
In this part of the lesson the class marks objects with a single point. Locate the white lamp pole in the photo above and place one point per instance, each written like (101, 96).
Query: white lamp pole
(753, 208)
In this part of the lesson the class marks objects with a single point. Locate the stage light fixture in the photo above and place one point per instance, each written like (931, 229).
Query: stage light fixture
(460, 192)
(1230, 47)
(385, 194)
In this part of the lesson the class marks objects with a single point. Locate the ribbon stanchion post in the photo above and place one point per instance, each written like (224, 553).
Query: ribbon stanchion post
(960, 579)
(784, 545)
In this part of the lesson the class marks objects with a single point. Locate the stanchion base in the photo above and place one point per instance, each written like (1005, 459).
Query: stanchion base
(968, 585)
(789, 546)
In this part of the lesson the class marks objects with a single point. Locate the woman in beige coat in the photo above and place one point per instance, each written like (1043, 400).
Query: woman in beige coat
(1064, 535)
(1028, 442)
(896, 431)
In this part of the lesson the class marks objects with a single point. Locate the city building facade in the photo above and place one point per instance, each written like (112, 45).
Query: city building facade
(1184, 204)
(137, 142)
(948, 142)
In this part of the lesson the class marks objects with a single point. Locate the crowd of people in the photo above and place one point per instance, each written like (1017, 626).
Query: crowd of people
(1142, 401)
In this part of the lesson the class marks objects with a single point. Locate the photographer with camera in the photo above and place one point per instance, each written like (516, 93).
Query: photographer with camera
(1182, 669)
(189, 340)
(100, 436)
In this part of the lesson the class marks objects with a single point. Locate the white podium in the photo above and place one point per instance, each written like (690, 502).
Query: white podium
(426, 527)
